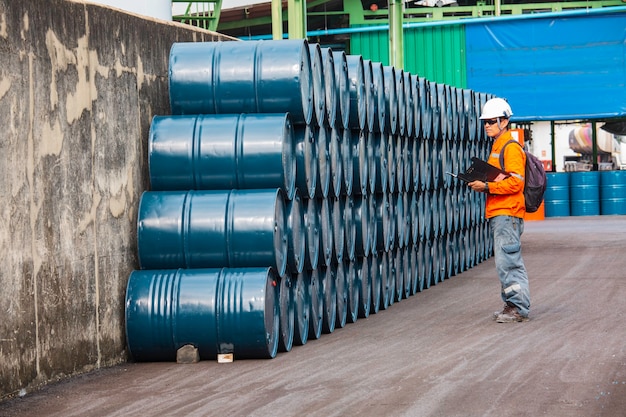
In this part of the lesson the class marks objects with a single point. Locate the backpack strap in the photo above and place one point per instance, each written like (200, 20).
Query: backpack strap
(502, 156)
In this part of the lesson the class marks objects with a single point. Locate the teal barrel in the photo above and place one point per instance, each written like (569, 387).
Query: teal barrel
(360, 162)
(376, 281)
(585, 193)
(356, 75)
(347, 159)
(557, 196)
(222, 152)
(342, 82)
(216, 310)
(317, 75)
(335, 153)
(354, 290)
(337, 210)
(328, 278)
(306, 159)
(316, 289)
(370, 98)
(313, 233)
(296, 234)
(324, 214)
(391, 99)
(323, 160)
(378, 90)
(350, 226)
(242, 77)
(330, 86)
(365, 286)
(286, 313)
(401, 99)
(613, 192)
(409, 88)
(341, 284)
(386, 270)
(301, 307)
(362, 224)
(212, 229)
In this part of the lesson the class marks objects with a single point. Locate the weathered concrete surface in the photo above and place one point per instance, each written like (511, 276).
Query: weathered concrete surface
(435, 354)
(79, 84)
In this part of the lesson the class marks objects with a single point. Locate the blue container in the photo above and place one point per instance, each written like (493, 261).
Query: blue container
(317, 75)
(378, 88)
(585, 193)
(286, 313)
(313, 233)
(324, 215)
(376, 278)
(356, 75)
(329, 287)
(354, 290)
(306, 159)
(613, 192)
(296, 234)
(330, 86)
(556, 198)
(391, 99)
(212, 229)
(222, 152)
(302, 306)
(341, 286)
(322, 159)
(370, 97)
(409, 88)
(401, 99)
(242, 77)
(316, 314)
(365, 286)
(216, 310)
(342, 83)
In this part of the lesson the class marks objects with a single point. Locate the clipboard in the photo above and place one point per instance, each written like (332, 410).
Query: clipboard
(481, 171)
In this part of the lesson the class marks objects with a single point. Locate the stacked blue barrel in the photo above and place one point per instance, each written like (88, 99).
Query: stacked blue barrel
(295, 189)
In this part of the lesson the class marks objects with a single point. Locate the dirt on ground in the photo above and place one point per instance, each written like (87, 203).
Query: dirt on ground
(437, 353)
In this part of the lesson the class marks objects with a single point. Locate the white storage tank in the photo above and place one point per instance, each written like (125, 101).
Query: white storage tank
(160, 9)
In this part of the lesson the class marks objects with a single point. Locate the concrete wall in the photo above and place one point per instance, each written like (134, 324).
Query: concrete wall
(79, 84)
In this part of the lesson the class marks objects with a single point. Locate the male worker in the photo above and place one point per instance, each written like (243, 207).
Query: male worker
(505, 210)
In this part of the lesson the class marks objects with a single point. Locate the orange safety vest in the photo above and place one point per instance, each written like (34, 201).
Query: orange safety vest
(506, 197)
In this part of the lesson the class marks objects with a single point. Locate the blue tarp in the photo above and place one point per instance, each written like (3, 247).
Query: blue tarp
(553, 68)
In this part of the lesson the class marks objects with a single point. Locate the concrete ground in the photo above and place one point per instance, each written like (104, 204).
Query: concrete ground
(437, 353)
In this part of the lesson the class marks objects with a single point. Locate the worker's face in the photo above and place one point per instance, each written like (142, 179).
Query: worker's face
(494, 127)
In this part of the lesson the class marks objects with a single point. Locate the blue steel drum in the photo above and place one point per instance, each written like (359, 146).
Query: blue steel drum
(373, 222)
(168, 309)
(446, 166)
(342, 82)
(356, 75)
(352, 277)
(406, 226)
(349, 227)
(455, 106)
(585, 193)
(391, 220)
(415, 163)
(302, 307)
(428, 263)
(313, 233)
(286, 313)
(391, 277)
(381, 179)
(316, 317)
(362, 224)
(296, 235)
(426, 110)
(401, 100)
(370, 98)
(330, 86)
(386, 265)
(435, 107)
(417, 106)
(613, 192)
(407, 151)
(391, 99)
(406, 268)
(329, 284)
(420, 269)
(400, 161)
(212, 229)
(392, 162)
(414, 268)
(222, 152)
(383, 220)
(425, 164)
(306, 159)
(347, 162)
(399, 217)
(556, 198)
(360, 161)
(336, 161)
(242, 77)
(413, 212)
(341, 279)
(327, 236)
(376, 278)
(471, 118)
(444, 107)
(338, 225)
(317, 75)
(409, 88)
(323, 161)
(365, 287)
(399, 275)
(379, 93)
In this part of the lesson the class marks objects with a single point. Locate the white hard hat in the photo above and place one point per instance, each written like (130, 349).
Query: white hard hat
(496, 107)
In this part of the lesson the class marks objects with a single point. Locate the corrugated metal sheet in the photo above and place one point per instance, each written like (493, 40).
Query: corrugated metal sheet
(436, 53)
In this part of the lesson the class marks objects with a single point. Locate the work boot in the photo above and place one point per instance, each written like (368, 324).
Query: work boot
(504, 310)
(510, 316)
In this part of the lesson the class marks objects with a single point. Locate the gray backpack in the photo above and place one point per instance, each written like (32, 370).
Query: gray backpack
(535, 179)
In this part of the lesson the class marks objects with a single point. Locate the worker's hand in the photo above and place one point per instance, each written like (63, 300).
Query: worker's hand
(478, 186)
